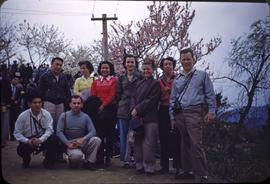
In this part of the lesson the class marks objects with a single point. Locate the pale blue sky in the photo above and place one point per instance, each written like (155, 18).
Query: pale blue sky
(228, 20)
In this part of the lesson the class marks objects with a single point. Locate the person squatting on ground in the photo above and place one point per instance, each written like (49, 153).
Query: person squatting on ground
(104, 88)
(76, 130)
(166, 130)
(34, 131)
(54, 88)
(144, 107)
(125, 86)
(190, 91)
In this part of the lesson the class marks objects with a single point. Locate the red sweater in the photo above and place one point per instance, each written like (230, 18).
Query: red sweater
(104, 89)
(165, 90)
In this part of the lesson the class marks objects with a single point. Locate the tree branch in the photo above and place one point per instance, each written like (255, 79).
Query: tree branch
(233, 80)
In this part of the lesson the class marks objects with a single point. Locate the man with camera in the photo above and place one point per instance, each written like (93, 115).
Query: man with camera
(34, 131)
(191, 90)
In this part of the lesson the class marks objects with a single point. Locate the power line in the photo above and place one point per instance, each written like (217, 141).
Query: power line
(116, 8)
(27, 13)
(93, 10)
(38, 12)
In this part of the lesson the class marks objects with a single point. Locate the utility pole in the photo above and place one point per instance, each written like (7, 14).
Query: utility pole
(105, 33)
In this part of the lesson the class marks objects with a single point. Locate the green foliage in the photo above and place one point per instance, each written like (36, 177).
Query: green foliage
(249, 160)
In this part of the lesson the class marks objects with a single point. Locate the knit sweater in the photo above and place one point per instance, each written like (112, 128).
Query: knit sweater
(77, 126)
(104, 89)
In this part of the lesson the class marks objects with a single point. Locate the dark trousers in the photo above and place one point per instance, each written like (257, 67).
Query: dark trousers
(169, 140)
(15, 111)
(105, 131)
(25, 150)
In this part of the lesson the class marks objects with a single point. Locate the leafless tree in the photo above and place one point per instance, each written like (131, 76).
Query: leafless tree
(250, 66)
(41, 42)
(7, 42)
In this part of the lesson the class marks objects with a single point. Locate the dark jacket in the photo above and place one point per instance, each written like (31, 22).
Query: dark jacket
(124, 91)
(146, 98)
(52, 90)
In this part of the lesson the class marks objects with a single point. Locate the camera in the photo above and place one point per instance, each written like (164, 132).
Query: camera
(38, 149)
(177, 107)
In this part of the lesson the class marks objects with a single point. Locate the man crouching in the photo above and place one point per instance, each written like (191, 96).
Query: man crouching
(76, 130)
(34, 131)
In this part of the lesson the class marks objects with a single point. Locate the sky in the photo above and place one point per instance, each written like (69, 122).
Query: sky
(73, 18)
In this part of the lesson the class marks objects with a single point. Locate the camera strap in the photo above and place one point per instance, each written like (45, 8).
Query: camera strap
(36, 123)
(183, 91)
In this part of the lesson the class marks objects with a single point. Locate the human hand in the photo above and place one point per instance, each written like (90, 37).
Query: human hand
(36, 141)
(101, 108)
(210, 117)
(72, 145)
(173, 122)
(134, 113)
(80, 141)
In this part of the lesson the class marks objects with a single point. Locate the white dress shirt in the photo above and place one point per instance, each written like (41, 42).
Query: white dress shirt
(25, 127)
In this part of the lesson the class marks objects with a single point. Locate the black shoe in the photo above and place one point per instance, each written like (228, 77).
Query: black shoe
(203, 179)
(60, 159)
(108, 162)
(139, 171)
(26, 163)
(149, 173)
(89, 166)
(163, 171)
(48, 165)
(184, 175)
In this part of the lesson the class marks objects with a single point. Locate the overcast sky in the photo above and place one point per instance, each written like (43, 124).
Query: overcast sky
(73, 18)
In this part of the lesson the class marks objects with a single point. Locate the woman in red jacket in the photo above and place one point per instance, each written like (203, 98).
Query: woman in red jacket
(104, 88)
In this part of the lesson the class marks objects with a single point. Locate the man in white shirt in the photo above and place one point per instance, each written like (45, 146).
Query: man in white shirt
(34, 131)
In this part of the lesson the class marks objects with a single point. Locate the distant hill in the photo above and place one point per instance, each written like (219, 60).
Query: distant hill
(256, 118)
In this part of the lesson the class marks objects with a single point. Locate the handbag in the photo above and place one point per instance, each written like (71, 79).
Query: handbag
(137, 126)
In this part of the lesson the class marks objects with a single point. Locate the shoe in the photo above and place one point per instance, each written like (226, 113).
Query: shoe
(139, 171)
(26, 163)
(149, 173)
(163, 171)
(184, 175)
(108, 162)
(203, 179)
(125, 164)
(73, 165)
(48, 165)
(89, 166)
(60, 159)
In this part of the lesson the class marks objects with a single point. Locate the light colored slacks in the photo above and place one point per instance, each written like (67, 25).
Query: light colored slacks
(145, 148)
(90, 149)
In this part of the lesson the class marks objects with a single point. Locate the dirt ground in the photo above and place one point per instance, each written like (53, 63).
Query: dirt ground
(14, 174)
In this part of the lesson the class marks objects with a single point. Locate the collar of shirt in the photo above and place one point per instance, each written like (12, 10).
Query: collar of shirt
(85, 78)
(105, 78)
(182, 72)
(38, 117)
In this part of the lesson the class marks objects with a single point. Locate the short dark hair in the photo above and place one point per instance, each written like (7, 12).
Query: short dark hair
(56, 58)
(88, 65)
(108, 63)
(167, 58)
(33, 94)
(187, 50)
(149, 61)
(130, 56)
(75, 96)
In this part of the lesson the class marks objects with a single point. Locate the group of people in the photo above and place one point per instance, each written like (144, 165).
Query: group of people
(144, 108)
